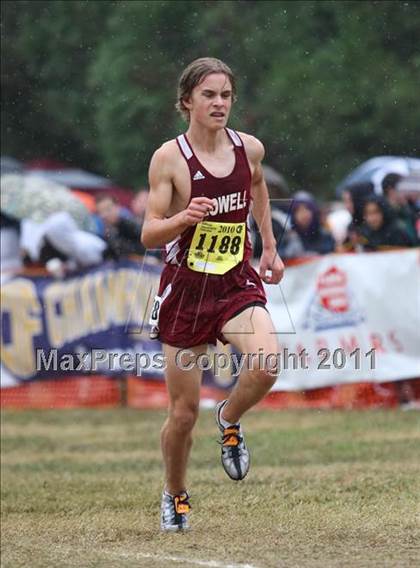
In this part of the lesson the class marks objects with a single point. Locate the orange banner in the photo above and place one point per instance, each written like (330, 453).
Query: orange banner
(100, 391)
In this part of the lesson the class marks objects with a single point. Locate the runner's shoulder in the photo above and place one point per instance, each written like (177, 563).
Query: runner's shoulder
(165, 157)
(168, 150)
(254, 147)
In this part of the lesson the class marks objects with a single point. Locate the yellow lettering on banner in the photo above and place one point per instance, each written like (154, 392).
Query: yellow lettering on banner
(101, 300)
(53, 301)
(86, 289)
(98, 303)
(134, 297)
(64, 312)
(111, 290)
(20, 301)
(145, 292)
(119, 298)
(71, 310)
(143, 288)
(124, 297)
(116, 288)
(91, 304)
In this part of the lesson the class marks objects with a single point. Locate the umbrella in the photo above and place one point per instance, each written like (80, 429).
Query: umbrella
(10, 165)
(411, 183)
(277, 186)
(375, 169)
(87, 182)
(27, 197)
(272, 177)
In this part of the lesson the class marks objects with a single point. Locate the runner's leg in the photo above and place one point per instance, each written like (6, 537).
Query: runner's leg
(251, 332)
(184, 398)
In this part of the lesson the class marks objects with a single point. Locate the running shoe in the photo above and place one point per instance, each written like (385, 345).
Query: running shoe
(235, 455)
(174, 512)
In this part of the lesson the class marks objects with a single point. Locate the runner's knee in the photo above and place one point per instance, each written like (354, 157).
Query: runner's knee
(183, 417)
(264, 376)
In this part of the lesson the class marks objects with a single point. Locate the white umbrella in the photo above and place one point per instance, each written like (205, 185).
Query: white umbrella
(375, 169)
(35, 198)
(10, 165)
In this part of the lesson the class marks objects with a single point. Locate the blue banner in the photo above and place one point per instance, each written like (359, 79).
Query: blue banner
(92, 322)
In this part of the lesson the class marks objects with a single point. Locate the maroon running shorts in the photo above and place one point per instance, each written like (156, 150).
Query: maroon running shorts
(195, 306)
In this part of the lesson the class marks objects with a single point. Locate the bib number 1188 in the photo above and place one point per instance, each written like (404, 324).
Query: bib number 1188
(227, 243)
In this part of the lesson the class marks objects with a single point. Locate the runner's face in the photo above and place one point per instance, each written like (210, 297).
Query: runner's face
(211, 101)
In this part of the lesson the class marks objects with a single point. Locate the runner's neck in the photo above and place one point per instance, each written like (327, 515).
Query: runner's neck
(205, 140)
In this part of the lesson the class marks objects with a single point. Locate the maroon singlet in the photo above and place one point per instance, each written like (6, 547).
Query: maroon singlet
(232, 194)
(191, 308)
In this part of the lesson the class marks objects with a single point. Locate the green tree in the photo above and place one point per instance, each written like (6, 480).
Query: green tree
(134, 77)
(325, 85)
(47, 47)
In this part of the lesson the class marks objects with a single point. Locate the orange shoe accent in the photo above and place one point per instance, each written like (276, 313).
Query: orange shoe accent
(232, 441)
(228, 431)
(230, 436)
(181, 507)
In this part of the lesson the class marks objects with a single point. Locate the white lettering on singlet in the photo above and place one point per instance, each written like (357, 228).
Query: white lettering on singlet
(230, 202)
(172, 250)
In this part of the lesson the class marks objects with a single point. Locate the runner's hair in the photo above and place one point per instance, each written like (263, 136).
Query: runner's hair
(192, 76)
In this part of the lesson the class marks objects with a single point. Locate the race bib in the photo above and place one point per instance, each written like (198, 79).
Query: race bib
(216, 247)
(154, 314)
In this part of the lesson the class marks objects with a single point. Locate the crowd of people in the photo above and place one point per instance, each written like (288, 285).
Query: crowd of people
(61, 246)
(380, 221)
(363, 221)
(368, 222)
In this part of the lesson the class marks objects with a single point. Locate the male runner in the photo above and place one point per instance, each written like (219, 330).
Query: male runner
(201, 188)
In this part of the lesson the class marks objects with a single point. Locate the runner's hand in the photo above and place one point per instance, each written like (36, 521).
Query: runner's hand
(270, 261)
(197, 210)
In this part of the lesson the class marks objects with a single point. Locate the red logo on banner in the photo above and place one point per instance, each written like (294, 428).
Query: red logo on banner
(332, 289)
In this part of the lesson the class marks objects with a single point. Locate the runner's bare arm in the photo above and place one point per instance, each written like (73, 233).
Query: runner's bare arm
(261, 212)
(157, 229)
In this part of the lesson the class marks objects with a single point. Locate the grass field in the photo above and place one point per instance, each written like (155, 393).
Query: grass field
(82, 488)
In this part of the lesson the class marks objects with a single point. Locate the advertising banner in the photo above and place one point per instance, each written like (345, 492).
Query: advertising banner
(344, 318)
(89, 323)
(339, 319)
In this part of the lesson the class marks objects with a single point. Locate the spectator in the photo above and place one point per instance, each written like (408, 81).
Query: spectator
(405, 215)
(306, 236)
(337, 221)
(121, 233)
(138, 208)
(280, 223)
(280, 203)
(138, 205)
(354, 198)
(58, 244)
(379, 227)
(99, 223)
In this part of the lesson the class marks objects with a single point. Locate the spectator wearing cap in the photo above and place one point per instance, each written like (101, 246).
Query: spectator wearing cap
(405, 215)
(379, 228)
